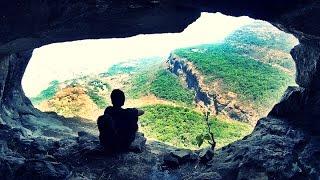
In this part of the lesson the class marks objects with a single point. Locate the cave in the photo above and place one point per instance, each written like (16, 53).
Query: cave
(283, 145)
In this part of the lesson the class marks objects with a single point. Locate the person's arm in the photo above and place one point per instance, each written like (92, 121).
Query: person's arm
(140, 112)
(107, 110)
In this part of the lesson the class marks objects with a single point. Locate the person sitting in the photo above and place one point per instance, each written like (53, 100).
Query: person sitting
(118, 126)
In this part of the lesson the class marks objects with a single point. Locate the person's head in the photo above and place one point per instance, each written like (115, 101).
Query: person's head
(117, 98)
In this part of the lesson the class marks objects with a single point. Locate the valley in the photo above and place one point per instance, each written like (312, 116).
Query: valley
(237, 81)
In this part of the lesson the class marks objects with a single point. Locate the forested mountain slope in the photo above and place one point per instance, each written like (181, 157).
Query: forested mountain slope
(244, 75)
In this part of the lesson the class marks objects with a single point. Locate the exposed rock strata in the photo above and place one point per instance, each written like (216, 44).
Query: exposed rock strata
(218, 103)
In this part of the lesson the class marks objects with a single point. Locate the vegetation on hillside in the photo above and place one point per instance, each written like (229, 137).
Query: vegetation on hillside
(168, 86)
(253, 62)
(260, 33)
(253, 81)
(180, 126)
(71, 102)
(47, 93)
(265, 43)
(162, 84)
(93, 89)
(141, 83)
(98, 84)
(100, 101)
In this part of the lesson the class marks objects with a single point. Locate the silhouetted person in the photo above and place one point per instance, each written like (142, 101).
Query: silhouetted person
(118, 126)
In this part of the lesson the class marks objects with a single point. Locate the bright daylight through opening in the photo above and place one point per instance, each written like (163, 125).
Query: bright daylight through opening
(235, 68)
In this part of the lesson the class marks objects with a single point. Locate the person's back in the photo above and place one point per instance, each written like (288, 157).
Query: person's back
(123, 124)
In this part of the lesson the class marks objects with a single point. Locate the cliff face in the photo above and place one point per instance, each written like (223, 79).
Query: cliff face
(215, 100)
(284, 145)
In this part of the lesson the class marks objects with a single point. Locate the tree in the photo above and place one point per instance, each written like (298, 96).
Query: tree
(209, 136)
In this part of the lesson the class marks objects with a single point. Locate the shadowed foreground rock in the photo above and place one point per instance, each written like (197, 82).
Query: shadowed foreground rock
(275, 150)
(77, 157)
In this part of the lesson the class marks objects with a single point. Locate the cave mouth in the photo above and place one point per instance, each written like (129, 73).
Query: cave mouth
(231, 72)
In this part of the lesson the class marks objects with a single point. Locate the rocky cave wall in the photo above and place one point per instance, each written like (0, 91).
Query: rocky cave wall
(13, 101)
(284, 145)
(26, 25)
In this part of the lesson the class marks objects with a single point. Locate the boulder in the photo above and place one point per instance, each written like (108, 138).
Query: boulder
(253, 172)
(207, 176)
(170, 161)
(179, 157)
(85, 136)
(4, 126)
(9, 161)
(206, 155)
(182, 155)
(40, 169)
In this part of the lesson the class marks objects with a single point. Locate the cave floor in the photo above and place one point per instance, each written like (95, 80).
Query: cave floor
(78, 155)
(275, 150)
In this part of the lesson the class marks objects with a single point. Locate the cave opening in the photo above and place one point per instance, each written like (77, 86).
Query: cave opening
(237, 72)
(37, 145)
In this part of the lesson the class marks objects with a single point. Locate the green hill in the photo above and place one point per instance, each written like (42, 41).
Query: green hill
(252, 80)
(264, 42)
(241, 63)
(180, 126)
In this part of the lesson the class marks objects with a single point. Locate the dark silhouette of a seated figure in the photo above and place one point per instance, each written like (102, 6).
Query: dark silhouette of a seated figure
(118, 126)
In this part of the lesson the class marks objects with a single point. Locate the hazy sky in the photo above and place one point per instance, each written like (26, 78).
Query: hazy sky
(62, 61)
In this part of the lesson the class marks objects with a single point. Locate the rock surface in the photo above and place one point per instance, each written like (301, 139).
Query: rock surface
(79, 157)
(36, 23)
(178, 157)
(300, 107)
(138, 145)
(206, 155)
(170, 161)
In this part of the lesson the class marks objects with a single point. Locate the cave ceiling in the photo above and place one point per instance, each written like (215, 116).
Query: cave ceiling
(30, 24)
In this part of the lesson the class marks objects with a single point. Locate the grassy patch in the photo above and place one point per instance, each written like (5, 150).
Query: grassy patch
(180, 126)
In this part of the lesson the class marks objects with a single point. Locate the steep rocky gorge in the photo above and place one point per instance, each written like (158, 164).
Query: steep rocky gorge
(215, 100)
(284, 145)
